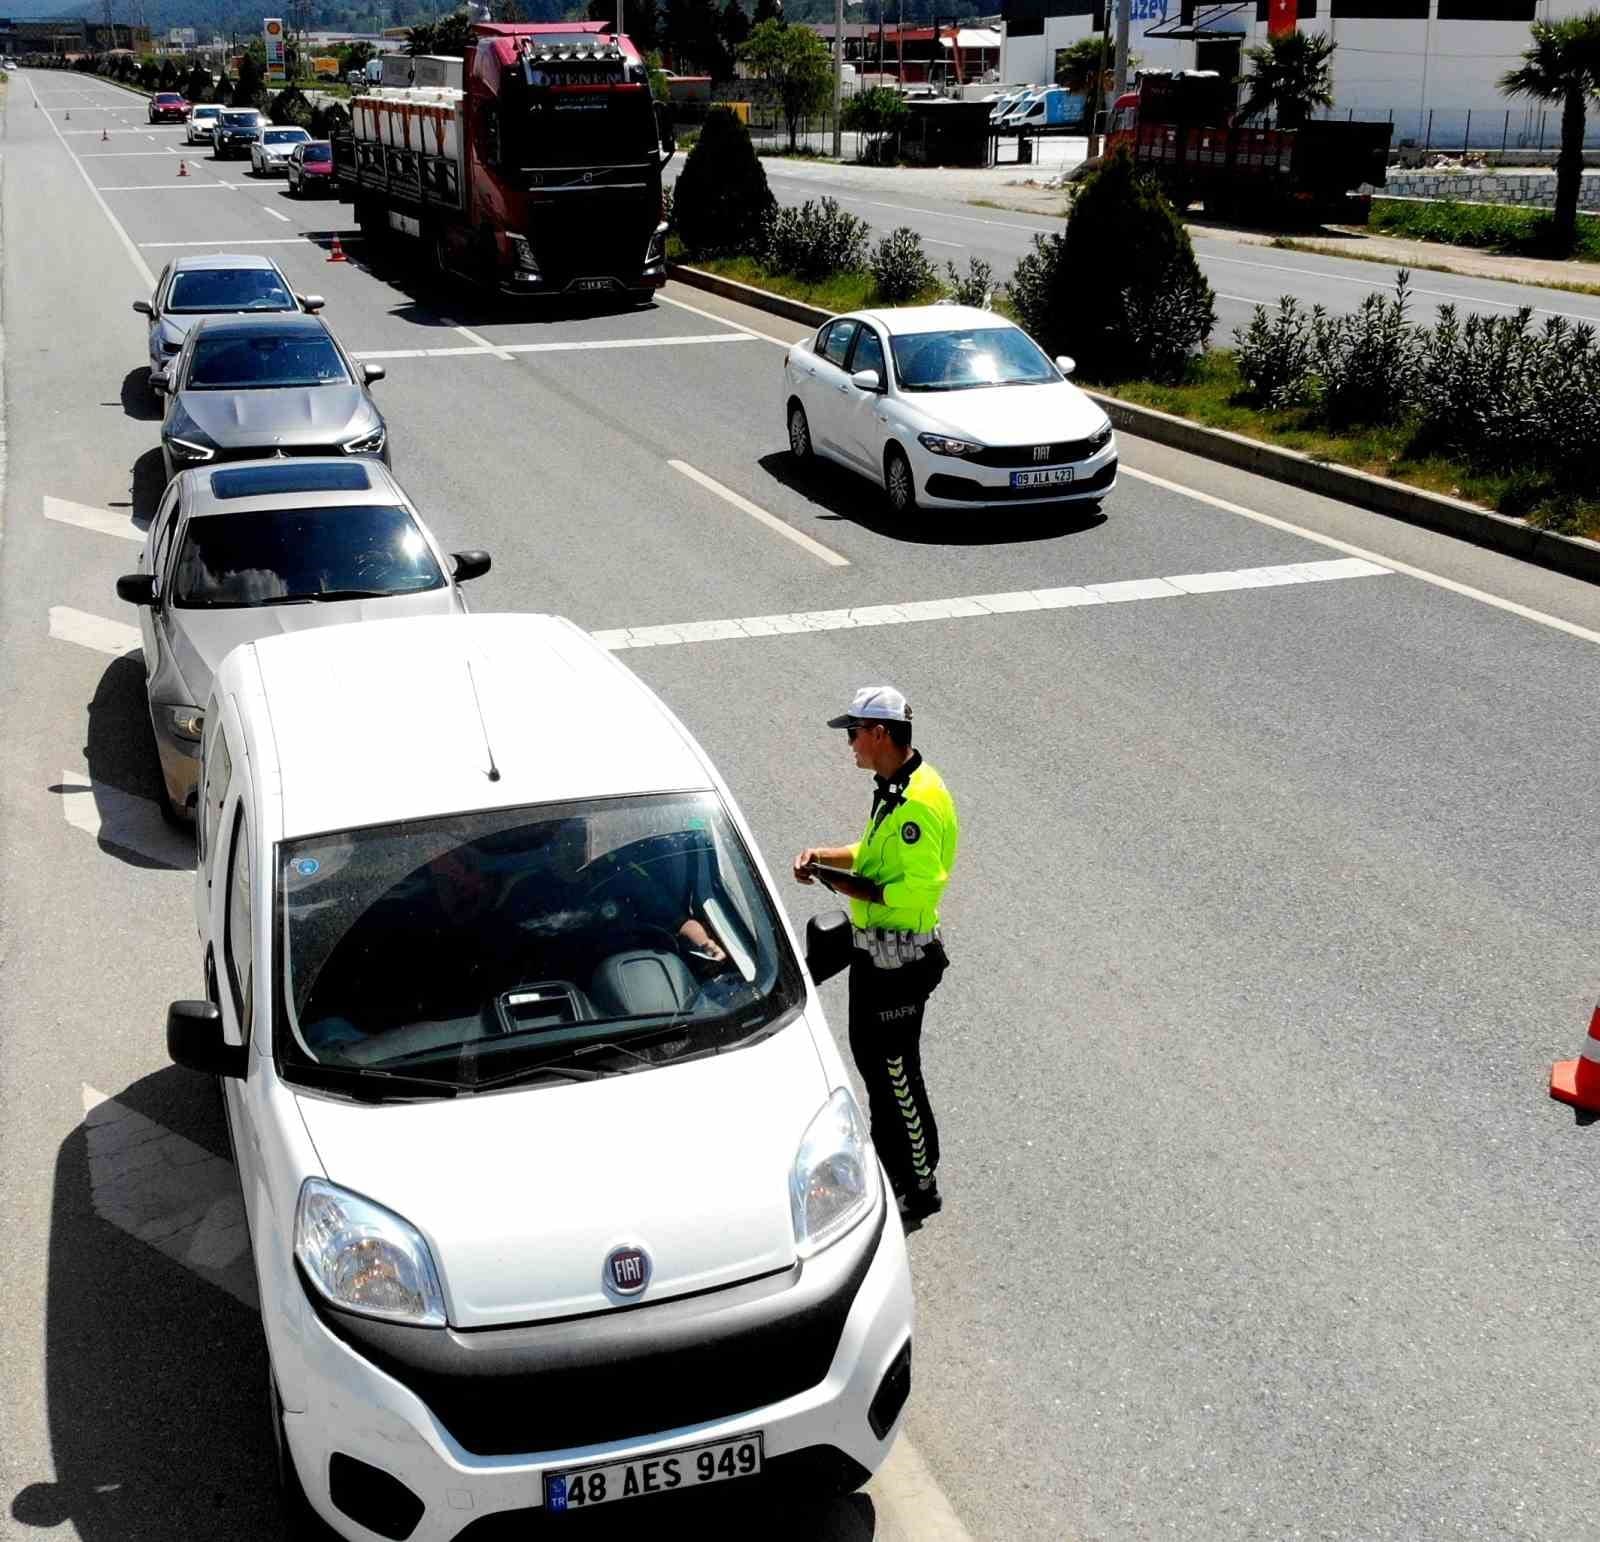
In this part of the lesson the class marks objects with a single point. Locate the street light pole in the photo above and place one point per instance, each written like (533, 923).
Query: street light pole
(1120, 78)
(838, 77)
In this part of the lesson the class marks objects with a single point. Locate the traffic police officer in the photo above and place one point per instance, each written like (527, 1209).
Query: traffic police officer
(894, 877)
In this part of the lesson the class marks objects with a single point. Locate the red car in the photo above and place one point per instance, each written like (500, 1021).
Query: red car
(311, 168)
(168, 107)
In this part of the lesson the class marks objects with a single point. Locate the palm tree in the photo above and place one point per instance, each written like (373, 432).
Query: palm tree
(1291, 74)
(1562, 64)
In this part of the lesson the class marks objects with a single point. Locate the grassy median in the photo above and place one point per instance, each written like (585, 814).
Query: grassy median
(1501, 228)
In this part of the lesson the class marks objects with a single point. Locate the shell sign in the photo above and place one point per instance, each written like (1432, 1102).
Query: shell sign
(272, 35)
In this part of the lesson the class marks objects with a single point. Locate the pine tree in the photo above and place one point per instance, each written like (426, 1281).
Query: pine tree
(722, 195)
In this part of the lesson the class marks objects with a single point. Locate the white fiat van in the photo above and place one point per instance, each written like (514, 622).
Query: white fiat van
(557, 1195)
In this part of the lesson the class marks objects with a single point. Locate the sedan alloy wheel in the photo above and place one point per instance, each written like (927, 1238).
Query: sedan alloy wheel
(898, 482)
(799, 433)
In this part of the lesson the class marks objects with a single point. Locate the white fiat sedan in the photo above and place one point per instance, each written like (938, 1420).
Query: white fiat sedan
(556, 1190)
(946, 406)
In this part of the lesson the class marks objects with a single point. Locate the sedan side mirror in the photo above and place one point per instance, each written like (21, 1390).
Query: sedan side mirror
(143, 307)
(373, 372)
(137, 588)
(1065, 364)
(158, 382)
(866, 380)
(194, 1039)
(829, 942)
(311, 303)
(469, 564)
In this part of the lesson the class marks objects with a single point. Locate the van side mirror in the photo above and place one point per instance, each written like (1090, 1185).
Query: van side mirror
(194, 1040)
(1065, 363)
(468, 564)
(143, 307)
(828, 944)
(137, 588)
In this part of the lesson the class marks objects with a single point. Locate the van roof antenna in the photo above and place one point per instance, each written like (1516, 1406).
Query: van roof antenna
(472, 680)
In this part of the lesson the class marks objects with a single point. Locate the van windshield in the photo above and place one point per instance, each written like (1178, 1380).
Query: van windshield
(484, 949)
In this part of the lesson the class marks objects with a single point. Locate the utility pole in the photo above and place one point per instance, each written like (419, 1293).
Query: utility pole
(839, 77)
(1096, 93)
(1120, 79)
(620, 27)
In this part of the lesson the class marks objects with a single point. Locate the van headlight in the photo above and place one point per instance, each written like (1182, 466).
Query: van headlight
(365, 1259)
(835, 1178)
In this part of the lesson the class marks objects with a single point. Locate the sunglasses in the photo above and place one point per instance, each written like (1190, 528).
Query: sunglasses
(857, 728)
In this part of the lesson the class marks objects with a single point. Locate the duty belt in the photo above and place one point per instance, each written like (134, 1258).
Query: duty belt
(889, 949)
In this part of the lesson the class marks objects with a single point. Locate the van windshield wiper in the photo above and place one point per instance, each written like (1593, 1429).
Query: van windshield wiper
(560, 1062)
(370, 1084)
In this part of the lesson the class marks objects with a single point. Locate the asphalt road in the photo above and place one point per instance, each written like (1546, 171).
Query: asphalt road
(1242, 276)
(1274, 904)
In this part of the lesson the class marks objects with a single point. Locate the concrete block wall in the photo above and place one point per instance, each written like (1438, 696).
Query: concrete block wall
(1530, 189)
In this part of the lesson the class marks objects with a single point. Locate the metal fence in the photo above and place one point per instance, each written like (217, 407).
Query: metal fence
(1492, 127)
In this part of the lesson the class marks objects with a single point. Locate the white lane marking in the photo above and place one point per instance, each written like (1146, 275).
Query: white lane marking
(122, 819)
(125, 155)
(160, 1187)
(140, 265)
(1455, 296)
(152, 246)
(277, 216)
(1466, 590)
(505, 350)
(904, 611)
(86, 518)
(481, 341)
(195, 182)
(695, 310)
(934, 241)
(77, 626)
(916, 1508)
(756, 512)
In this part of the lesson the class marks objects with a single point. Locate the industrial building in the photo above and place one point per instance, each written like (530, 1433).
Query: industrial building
(69, 35)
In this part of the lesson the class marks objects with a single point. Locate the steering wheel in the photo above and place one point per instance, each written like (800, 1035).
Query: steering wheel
(642, 929)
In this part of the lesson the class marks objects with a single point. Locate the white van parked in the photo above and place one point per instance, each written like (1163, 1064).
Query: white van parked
(557, 1195)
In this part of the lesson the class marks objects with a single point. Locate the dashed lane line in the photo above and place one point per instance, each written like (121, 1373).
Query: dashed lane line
(124, 820)
(171, 1194)
(964, 606)
(760, 515)
(102, 521)
(304, 236)
(116, 638)
(195, 182)
(483, 347)
(277, 215)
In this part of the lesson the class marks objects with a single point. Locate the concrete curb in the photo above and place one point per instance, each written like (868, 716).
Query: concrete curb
(1567, 554)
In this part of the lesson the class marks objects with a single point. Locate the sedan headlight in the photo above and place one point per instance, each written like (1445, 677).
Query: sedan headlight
(835, 1178)
(186, 722)
(370, 443)
(1100, 438)
(188, 453)
(364, 1258)
(942, 445)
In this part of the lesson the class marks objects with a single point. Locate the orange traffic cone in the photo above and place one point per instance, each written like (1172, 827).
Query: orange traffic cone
(183, 169)
(1578, 1081)
(336, 252)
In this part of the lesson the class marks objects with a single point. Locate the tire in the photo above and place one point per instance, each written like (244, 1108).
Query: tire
(800, 435)
(899, 486)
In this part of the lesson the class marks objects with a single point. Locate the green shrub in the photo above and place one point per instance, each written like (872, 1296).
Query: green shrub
(1127, 298)
(290, 107)
(328, 121)
(1274, 354)
(721, 201)
(1367, 360)
(1525, 232)
(814, 241)
(1033, 282)
(976, 287)
(900, 268)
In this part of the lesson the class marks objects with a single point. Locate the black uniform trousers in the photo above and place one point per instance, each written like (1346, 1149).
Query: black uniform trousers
(886, 1007)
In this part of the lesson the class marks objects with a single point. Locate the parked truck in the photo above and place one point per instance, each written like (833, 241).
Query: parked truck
(540, 175)
(1178, 126)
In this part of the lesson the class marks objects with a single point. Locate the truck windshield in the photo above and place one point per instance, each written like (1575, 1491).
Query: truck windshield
(607, 127)
(606, 936)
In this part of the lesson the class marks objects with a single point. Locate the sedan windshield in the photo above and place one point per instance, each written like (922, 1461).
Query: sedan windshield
(240, 119)
(969, 359)
(284, 137)
(570, 940)
(229, 289)
(317, 154)
(233, 361)
(285, 556)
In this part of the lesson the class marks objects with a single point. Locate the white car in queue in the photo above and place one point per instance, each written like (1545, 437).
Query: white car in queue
(946, 406)
(253, 548)
(556, 1192)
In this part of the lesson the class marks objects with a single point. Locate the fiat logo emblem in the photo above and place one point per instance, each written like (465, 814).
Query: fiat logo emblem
(627, 1270)
(1041, 452)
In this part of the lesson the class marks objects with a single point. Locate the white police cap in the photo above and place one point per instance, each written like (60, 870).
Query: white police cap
(874, 704)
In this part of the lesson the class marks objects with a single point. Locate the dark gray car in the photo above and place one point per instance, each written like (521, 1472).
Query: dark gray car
(216, 284)
(240, 552)
(248, 386)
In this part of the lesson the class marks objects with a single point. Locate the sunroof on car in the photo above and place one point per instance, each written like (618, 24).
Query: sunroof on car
(290, 476)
